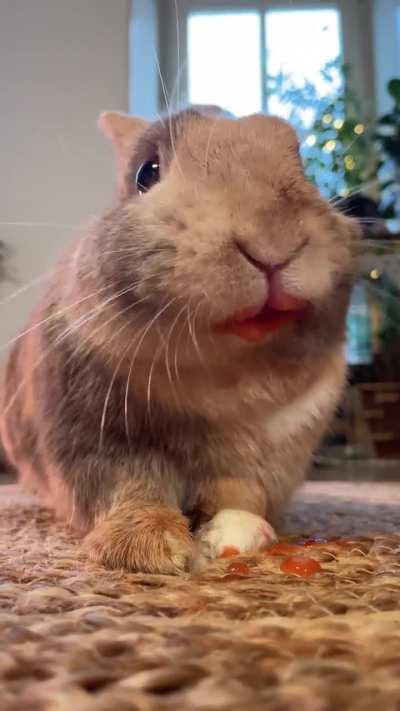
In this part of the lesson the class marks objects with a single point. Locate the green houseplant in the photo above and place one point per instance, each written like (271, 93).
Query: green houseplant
(337, 146)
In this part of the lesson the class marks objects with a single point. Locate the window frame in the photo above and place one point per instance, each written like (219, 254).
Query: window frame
(356, 19)
(386, 49)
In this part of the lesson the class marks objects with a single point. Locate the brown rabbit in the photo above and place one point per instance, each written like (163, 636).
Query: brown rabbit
(188, 354)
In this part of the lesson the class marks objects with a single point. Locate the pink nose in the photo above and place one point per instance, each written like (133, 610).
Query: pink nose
(261, 266)
(279, 297)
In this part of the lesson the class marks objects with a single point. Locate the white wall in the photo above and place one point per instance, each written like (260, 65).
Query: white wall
(62, 62)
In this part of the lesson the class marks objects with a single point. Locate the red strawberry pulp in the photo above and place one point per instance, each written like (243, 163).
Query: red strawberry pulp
(280, 308)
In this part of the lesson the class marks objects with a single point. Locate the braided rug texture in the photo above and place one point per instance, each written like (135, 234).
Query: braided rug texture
(74, 636)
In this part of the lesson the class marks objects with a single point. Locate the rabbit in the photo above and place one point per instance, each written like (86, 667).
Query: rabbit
(176, 376)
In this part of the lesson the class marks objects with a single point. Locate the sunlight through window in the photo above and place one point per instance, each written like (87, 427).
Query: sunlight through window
(224, 61)
(225, 57)
(299, 44)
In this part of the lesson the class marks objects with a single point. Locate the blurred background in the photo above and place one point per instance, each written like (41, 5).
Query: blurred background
(331, 68)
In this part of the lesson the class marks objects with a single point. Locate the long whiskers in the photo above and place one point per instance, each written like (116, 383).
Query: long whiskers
(178, 50)
(103, 325)
(354, 191)
(166, 356)
(52, 317)
(208, 146)
(192, 331)
(142, 337)
(150, 377)
(108, 393)
(22, 289)
(176, 369)
(52, 225)
(78, 323)
(168, 107)
(65, 309)
(382, 293)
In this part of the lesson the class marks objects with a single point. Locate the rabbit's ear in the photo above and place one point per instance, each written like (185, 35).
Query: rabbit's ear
(121, 129)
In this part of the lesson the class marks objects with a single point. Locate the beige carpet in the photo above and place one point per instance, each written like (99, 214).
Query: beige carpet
(76, 637)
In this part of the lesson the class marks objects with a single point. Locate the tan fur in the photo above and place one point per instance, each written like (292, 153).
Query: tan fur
(311, 405)
(148, 537)
(123, 405)
(121, 129)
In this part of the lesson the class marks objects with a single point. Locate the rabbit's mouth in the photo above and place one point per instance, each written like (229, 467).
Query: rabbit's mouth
(255, 328)
(280, 308)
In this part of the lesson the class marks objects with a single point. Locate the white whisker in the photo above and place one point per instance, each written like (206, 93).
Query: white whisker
(25, 287)
(354, 191)
(97, 330)
(50, 318)
(143, 336)
(184, 323)
(108, 394)
(208, 146)
(133, 250)
(150, 377)
(168, 105)
(192, 329)
(163, 87)
(72, 328)
(40, 225)
(167, 365)
(178, 50)
(71, 306)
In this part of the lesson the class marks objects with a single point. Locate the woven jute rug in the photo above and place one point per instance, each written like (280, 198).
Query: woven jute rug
(74, 636)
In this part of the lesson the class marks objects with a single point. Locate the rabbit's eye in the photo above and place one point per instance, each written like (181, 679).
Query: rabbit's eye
(148, 175)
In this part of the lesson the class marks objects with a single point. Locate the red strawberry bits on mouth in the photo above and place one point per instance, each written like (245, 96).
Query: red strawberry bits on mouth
(280, 309)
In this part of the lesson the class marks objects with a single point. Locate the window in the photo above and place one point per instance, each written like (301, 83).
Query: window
(398, 37)
(300, 44)
(386, 45)
(232, 56)
(224, 61)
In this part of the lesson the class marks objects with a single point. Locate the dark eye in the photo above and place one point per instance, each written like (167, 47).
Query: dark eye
(148, 175)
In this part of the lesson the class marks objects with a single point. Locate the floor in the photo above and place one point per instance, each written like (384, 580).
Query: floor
(243, 635)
